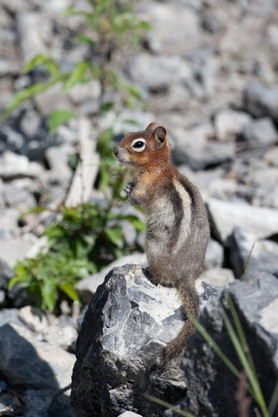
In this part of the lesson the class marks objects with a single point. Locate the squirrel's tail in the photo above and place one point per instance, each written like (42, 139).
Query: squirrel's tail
(191, 305)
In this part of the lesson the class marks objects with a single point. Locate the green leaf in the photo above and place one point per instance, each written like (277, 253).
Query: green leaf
(77, 75)
(49, 294)
(256, 391)
(50, 64)
(59, 117)
(29, 92)
(115, 235)
(70, 292)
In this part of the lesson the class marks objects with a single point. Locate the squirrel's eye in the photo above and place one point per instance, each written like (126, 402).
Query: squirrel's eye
(138, 145)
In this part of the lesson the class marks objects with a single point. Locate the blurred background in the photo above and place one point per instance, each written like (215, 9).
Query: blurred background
(77, 75)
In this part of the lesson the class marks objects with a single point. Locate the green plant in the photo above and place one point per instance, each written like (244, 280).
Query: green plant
(110, 26)
(85, 239)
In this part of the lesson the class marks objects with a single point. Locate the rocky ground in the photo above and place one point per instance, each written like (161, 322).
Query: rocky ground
(208, 71)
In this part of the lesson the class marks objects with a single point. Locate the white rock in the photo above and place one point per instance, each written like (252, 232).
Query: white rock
(13, 165)
(225, 216)
(230, 122)
(218, 277)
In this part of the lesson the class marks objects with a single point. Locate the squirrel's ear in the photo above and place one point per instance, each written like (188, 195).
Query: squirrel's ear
(160, 135)
(152, 126)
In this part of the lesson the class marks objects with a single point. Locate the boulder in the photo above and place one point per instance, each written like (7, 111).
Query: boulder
(225, 216)
(26, 362)
(211, 385)
(126, 325)
(230, 123)
(250, 255)
(192, 147)
(261, 132)
(261, 101)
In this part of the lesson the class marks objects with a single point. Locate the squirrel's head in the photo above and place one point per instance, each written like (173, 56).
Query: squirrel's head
(147, 148)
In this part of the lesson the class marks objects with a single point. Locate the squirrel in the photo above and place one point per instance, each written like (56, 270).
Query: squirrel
(177, 230)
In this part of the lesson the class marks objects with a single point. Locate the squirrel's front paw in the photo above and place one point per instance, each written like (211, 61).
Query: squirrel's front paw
(129, 187)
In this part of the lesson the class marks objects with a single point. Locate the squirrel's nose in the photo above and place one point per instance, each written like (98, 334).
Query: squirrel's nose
(115, 150)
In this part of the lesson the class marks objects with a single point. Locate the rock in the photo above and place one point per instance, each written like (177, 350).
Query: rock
(265, 183)
(17, 166)
(17, 197)
(171, 26)
(126, 324)
(261, 101)
(218, 277)
(8, 222)
(10, 139)
(34, 30)
(29, 363)
(63, 335)
(13, 249)
(260, 132)
(58, 160)
(30, 123)
(33, 318)
(157, 72)
(129, 414)
(193, 148)
(87, 287)
(256, 305)
(9, 315)
(229, 123)
(272, 34)
(130, 120)
(250, 256)
(45, 403)
(214, 255)
(7, 67)
(225, 216)
(271, 157)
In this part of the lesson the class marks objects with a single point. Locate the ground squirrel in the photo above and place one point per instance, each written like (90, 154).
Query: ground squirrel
(177, 232)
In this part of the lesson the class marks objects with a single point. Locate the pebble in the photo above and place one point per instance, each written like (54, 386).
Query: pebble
(261, 101)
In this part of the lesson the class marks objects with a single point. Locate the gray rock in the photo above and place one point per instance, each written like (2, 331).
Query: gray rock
(10, 139)
(9, 315)
(260, 132)
(17, 197)
(8, 222)
(250, 256)
(271, 156)
(193, 147)
(7, 67)
(127, 323)
(157, 72)
(87, 287)
(63, 335)
(265, 183)
(171, 26)
(33, 30)
(229, 123)
(30, 123)
(256, 305)
(13, 249)
(214, 255)
(225, 216)
(29, 363)
(58, 158)
(45, 403)
(218, 277)
(261, 101)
